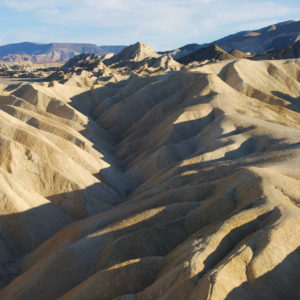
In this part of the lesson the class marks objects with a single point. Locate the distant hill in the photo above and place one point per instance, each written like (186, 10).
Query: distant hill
(53, 52)
(136, 52)
(270, 38)
(212, 52)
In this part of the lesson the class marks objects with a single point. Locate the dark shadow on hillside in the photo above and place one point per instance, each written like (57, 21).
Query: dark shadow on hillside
(108, 142)
(244, 155)
(294, 101)
(111, 190)
(103, 141)
(236, 236)
(241, 157)
(97, 97)
(237, 131)
(179, 134)
(21, 233)
(248, 148)
(280, 283)
(222, 168)
(105, 96)
(38, 217)
(127, 242)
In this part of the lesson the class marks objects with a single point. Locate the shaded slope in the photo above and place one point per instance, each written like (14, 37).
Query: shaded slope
(211, 53)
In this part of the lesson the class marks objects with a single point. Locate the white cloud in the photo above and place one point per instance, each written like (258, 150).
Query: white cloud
(164, 24)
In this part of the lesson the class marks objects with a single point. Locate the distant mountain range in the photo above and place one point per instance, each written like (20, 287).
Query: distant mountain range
(256, 42)
(270, 38)
(53, 52)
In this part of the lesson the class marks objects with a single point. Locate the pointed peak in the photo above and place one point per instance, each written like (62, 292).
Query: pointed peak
(211, 53)
(136, 52)
(214, 47)
(139, 44)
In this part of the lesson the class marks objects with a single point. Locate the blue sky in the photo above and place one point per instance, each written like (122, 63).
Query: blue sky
(163, 24)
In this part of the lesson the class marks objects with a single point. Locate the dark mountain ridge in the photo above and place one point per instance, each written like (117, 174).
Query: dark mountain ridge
(257, 42)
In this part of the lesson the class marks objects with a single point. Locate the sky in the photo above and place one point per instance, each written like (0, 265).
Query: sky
(163, 24)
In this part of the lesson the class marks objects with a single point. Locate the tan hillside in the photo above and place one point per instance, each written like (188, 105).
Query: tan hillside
(183, 184)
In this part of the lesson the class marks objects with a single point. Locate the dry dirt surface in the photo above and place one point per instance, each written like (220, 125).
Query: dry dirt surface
(183, 184)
